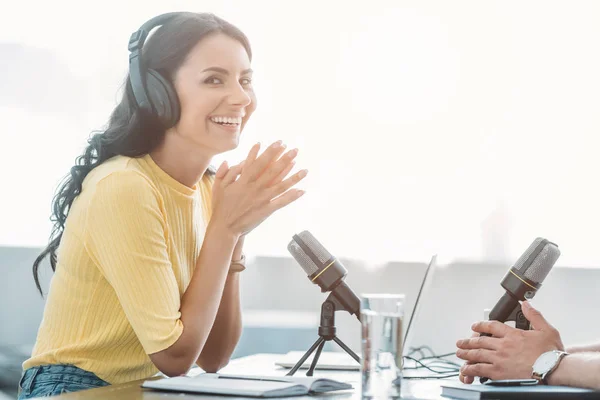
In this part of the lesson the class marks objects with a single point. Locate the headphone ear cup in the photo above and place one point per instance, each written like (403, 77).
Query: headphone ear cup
(163, 97)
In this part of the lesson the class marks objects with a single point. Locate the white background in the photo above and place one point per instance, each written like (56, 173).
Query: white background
(465, 128)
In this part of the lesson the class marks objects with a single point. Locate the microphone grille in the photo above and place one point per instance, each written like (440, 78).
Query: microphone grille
(537, 270)
(543, 263)
(521, 261)
(312, 245)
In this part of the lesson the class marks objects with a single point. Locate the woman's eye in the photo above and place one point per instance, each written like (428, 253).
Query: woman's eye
(246, 81)
(213, 80)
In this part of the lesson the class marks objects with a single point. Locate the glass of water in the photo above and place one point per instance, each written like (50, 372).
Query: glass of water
(381, 318)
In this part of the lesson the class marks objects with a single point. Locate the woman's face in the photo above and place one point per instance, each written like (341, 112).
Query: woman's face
(214, 86)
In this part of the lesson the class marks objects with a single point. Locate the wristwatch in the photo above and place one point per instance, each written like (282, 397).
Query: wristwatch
(546, 364)
(238, 265)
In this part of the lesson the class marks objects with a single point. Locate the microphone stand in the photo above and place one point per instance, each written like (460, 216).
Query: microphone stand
(326, 333)
(519, 318)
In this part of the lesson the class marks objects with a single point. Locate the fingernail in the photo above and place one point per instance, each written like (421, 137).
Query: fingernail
(303, 173)
(301, 192)
(526, 304)
(277, 144)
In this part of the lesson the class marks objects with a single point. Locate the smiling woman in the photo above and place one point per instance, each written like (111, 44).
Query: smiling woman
(147, 242)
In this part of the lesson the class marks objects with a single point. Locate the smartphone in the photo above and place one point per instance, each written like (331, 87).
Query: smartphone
(512, 382)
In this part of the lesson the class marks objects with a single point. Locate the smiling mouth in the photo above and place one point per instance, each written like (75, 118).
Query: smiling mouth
(227, 121)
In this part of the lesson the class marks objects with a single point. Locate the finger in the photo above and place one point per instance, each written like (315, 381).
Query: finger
(494, 328)
(535, 317)
(233, 173)
(479, 342)
(476, 355)
(282, 174)
(466, 378)
(256, 167)
(283, 200)
(221, 171)
(288, 183)
(271, 206)
(276, 168)
(478, 370)
(253, 153)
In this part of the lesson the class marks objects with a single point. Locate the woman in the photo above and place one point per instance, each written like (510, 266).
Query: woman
(147, 272)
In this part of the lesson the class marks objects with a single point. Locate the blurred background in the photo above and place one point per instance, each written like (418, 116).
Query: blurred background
(464, 129)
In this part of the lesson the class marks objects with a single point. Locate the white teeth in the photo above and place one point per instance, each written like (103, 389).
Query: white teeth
(227, 120)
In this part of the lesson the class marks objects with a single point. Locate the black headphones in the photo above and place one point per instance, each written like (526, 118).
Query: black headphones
(153, 93)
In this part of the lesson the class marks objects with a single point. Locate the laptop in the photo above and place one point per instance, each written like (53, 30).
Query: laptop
(337, 360)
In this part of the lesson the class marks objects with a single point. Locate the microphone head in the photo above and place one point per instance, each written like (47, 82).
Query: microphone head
(537, 261)
(325, 270)
(308, 252)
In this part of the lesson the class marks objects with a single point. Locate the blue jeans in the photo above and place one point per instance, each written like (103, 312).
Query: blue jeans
(55, 379)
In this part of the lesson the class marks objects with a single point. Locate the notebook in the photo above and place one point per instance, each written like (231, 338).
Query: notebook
(477, 391)
(340, 360)
(247, 385)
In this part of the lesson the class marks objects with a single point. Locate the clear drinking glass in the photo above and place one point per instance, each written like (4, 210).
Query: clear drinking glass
(381, 318)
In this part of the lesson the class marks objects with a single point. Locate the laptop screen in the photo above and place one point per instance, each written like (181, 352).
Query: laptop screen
(423, 290)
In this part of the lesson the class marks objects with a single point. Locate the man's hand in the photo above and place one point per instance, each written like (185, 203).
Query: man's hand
(466, 378)
(509, 353)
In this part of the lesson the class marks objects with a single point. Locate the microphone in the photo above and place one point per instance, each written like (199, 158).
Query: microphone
(324, 270)
(524, 279)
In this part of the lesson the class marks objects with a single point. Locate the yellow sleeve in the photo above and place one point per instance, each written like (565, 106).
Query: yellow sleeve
(126, 235)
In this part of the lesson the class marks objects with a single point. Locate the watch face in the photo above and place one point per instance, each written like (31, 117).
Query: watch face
(545, 362)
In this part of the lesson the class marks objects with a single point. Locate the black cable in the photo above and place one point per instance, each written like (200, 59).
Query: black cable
(420, 349)
(440, 356)
(432, 376)
(440, 367)
(453, 368)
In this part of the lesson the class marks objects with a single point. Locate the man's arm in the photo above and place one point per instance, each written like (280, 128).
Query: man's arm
(579, 370)
(584, 348)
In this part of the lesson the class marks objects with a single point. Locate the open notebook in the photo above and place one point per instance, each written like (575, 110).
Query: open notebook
(247, 385)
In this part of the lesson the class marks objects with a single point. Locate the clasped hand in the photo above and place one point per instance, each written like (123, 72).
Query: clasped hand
(246, 194)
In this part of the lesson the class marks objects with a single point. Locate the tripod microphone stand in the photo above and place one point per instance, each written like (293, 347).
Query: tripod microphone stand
(326, 333)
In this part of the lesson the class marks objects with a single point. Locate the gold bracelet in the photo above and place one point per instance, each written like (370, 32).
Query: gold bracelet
(239, 265)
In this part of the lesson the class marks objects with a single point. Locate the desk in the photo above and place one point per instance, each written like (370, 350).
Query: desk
(258, 364)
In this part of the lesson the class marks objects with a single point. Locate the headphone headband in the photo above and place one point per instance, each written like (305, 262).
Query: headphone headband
(137, 73)
(137, 39)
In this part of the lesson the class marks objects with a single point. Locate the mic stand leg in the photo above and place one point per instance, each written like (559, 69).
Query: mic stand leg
(326, 333)
(313, 364)
(346, 348)
(319, 343)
